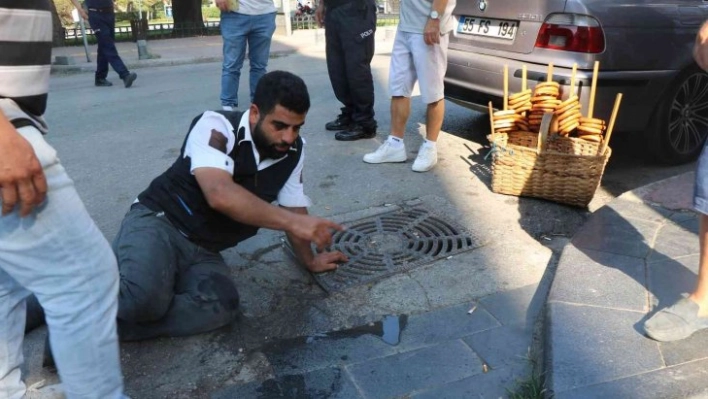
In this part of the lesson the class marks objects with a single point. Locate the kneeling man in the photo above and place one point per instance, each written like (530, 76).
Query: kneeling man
(231, 167)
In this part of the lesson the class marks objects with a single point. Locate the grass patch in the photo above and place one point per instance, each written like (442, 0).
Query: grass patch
(530, 388)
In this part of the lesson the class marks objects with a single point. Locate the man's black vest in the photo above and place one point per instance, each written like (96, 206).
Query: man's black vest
(177, 193)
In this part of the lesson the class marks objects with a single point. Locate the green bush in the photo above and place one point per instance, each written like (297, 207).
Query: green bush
(211, 13)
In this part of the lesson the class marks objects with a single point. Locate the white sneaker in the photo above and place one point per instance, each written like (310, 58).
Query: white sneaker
(387, 153)
(426, 159)
(227, 108)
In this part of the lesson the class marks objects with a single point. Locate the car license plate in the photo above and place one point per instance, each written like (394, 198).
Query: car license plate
(499, 28)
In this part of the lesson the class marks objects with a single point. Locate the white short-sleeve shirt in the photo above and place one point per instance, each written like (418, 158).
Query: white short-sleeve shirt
(213, 137)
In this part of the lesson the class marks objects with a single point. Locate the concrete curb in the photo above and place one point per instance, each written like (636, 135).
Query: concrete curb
(157, 62)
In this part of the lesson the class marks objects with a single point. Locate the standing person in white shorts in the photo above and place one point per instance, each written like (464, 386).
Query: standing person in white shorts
(419, 54)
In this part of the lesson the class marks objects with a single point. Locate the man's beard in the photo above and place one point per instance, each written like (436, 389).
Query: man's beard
(265, 148)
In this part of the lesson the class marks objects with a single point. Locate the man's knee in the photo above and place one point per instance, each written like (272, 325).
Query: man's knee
(219, 291)
(137, 305)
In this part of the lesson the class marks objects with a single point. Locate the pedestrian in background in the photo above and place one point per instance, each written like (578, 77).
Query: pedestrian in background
(690, 314)
(350, 26)
(102, 19)
(49, 245)
(244, 22)
(419, 53)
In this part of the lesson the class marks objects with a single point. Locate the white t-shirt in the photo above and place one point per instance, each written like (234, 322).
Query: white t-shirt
(204, 155)
(255, 7)
(415, 13)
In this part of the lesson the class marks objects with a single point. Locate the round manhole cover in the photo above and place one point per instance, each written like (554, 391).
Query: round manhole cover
(386, 244)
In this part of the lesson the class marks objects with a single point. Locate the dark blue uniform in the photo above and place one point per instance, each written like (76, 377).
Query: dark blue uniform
(103, 23)
(350, 26)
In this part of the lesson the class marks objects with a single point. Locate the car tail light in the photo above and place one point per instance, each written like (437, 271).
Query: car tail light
(571, 32)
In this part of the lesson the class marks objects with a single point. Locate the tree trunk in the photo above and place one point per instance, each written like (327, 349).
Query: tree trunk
(188, 18)
(58, 33)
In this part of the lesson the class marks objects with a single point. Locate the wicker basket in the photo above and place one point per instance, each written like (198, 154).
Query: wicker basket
(563, 169)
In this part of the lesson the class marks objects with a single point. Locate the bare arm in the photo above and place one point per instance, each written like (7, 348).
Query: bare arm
(22, 179)
(80, 9)
(234, 201)
(431, 34)
(321, 262)
(320, 12)
(700, 49)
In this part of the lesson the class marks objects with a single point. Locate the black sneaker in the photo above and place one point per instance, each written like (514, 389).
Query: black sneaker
(356, 132)
(343, 122)
(103, 83)
(128, 80)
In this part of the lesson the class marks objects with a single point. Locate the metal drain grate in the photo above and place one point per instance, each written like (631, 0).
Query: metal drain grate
(390, 243)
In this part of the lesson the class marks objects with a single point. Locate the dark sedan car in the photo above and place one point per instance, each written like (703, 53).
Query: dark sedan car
(644, 48)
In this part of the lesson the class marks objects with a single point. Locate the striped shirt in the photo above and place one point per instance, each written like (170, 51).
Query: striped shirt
(25, 59)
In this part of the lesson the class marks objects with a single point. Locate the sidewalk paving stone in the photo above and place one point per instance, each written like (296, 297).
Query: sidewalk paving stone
(684, 381)
(502, 346)
(600, 279)
(609, 231)
(331, 383)
(667, 280)
(495, 384)
(589, 345)
(403, 373)
(518, 306)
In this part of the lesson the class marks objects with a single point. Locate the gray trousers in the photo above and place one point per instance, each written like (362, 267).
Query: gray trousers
(168, 285)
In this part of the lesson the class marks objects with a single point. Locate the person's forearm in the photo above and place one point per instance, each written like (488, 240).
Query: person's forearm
(302, 248)
(6, 128)
(76, 4)
(247, 208)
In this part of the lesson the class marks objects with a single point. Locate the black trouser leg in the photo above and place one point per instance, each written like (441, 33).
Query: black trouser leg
(336, 65)
(169, 286)
(352, 27)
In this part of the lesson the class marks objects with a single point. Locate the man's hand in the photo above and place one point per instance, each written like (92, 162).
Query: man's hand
(22, 179)
(314, 229)
(320, 13)
(431, 34)
(326, 261)
(222, 5)
(700, 49)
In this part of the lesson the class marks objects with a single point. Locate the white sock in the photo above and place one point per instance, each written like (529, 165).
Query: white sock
(227, 108)
(395, 141)
(430, 144)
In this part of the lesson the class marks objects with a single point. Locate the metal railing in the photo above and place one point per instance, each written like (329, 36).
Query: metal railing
(72, 36)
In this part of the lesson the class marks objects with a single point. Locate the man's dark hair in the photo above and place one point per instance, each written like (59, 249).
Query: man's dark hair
(284, 89)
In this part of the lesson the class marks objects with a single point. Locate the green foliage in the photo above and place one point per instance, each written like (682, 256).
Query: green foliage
(211, 13)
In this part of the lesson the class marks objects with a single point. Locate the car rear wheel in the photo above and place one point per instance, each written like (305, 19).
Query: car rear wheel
(679, 126)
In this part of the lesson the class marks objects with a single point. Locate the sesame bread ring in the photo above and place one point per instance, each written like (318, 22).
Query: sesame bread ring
(519, 100)
(567, 104)
(591, 137)
(594, 121)
(520, 94)
(548, 84)
(505, 113)
(571, 113)
(593, 126)
(569, 125)
(589, 130)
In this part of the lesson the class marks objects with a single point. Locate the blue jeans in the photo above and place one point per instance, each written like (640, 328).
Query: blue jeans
(237, 30)
(104, 27)
(58, 254)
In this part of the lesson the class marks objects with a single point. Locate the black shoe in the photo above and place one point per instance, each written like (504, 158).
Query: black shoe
(343, 122)
(103, 83)
(128, 80)
(355, 133)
